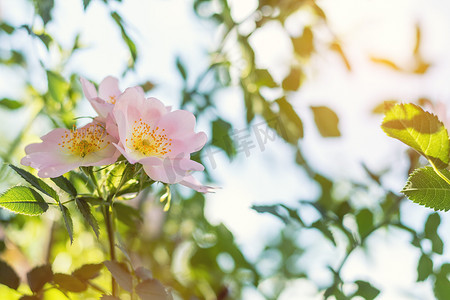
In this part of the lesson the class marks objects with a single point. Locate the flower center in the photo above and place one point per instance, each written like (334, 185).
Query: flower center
(111, 99)
(82, 141)
(148, 141)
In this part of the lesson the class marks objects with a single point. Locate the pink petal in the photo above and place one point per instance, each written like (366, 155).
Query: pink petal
(88, 88)
(191, 182)
(109, 87)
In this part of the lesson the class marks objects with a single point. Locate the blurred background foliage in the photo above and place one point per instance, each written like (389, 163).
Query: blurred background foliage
(182, 248)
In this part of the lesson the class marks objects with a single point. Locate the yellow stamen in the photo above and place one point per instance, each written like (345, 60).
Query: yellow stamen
(148, 141)
(83, 141)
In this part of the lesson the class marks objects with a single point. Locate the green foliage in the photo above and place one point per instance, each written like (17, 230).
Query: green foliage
(366, 290)
(23, 200)
(420, 130)
(44, 9)
(36, 182)
(326, 121)
(85, 210)
(67, 221)
(57, 86)
(10, 104)
(64, 184)
(427, 188)
(424, 268)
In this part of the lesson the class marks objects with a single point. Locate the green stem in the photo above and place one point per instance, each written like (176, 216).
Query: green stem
(110, 230)
(439, 173)
(109, 222)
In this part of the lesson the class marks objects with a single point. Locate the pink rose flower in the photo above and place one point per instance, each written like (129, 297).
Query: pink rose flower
(159, 139)
(63, 150)
(108, 93)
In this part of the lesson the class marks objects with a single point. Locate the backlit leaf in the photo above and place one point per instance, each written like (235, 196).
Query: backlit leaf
(326, 121)
(8, 276)
(23, 200)
(421, 130)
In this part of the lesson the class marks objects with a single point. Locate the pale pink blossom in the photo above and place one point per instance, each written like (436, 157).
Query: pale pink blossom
(63, 150)
(159, 139)
(108, 93)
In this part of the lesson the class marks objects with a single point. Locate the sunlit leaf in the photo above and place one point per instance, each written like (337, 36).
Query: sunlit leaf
(293, 80)
(130, 43)
(127, 214)
(69, 283)
(39, 276)
(303, 45)
(426, 188)
(290, 126)
(336, 46)
(8, 276)
(264, 78)
(326, 121)
(121, 274)
(23, 200)
(384, 106)
(57, 86)
(86, 4)
(419, 129)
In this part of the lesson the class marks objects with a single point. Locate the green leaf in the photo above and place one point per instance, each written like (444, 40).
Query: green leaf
(85, 210)
(326, 121)
(442, 284)
(44, 9)
(290, 127)
(426, 188)
(69, 283)
(127, 214)
(221, 137)
(364, 219)
(121, 274)
(420, 130)
(10, 104)
(304, 44)
(39, 276)
(131, 45)
(152, 289)
(86, 4)
(23, 200)
(293, 80)
(366, 290)
(36, 182)
(424, 268)
(7, 28)
(64, 184)
(264, 78)
(8, 276)
(181, 68)
(67, 221)
(431, 233)
(88, 271)
(273, 210)
(58, 87)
